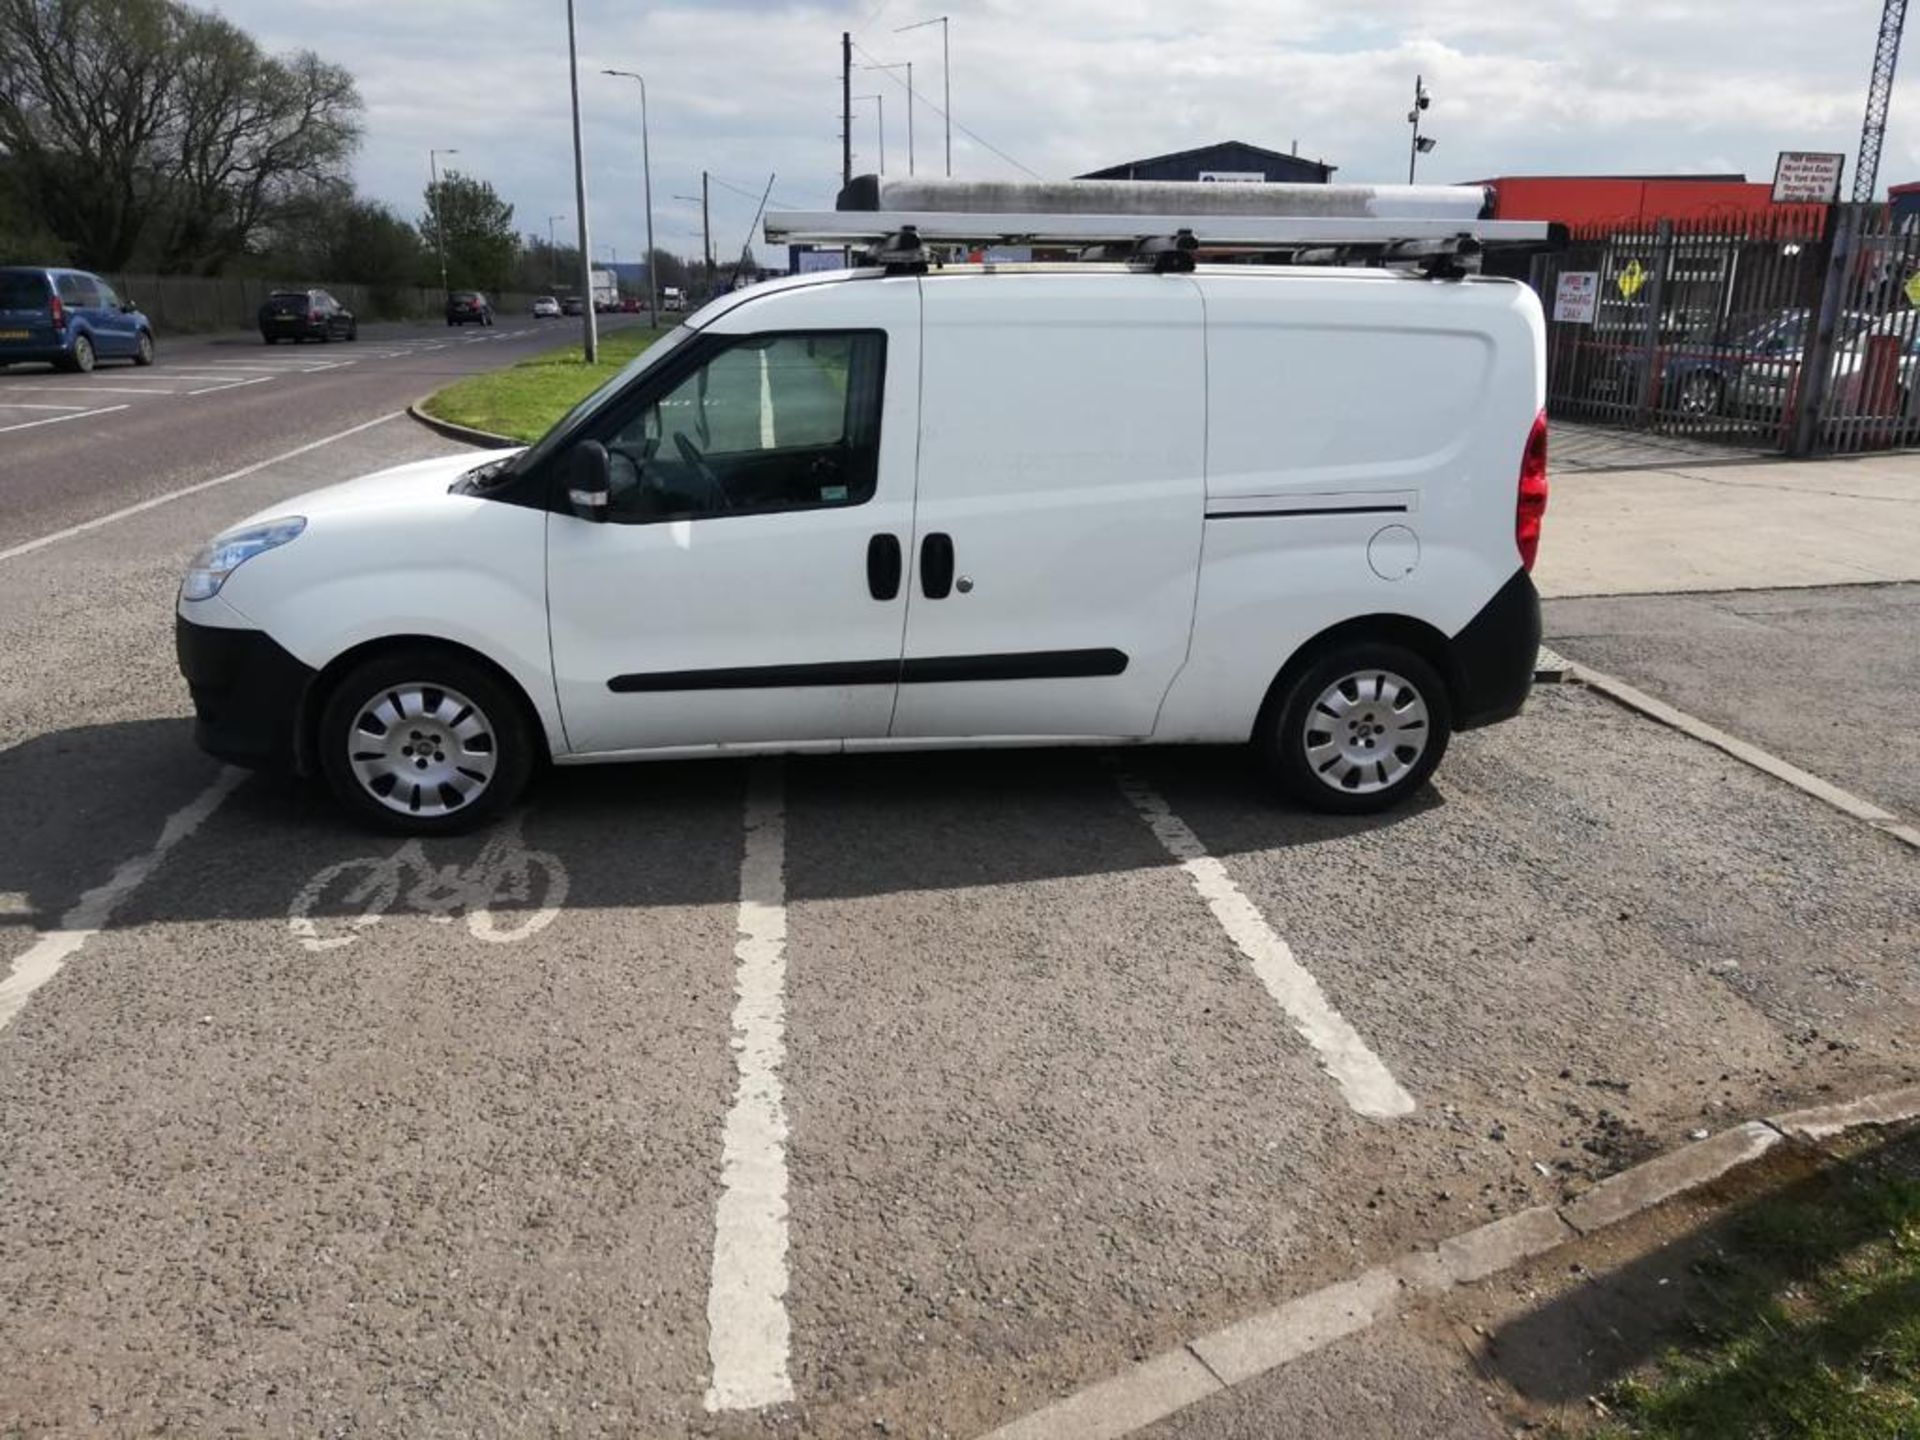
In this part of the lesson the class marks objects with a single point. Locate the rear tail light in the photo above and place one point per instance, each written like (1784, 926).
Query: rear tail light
(1531, 507)
(58, 312)
(315, 316)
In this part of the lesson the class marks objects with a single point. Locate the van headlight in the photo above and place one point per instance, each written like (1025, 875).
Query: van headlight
(220, 557)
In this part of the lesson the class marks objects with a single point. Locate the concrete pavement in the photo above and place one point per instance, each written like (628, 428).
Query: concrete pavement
(1684, 521)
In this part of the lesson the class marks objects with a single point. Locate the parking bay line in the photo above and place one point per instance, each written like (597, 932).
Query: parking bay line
(1367, 1084)
(43, 960)
(27, 547)
(100, 390)
(22, 405)
(55, 420)
(748, 1330)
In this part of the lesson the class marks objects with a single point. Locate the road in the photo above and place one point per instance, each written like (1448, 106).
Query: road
(305, 1131)
(77, 446)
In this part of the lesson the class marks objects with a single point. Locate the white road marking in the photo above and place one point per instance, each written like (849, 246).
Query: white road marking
(100, 390)
(89, 916)
(1368, 1085)
(504, 870)
(232, 385)
(29, 546)
(748, 1332)
(21, 405)
(55, 420)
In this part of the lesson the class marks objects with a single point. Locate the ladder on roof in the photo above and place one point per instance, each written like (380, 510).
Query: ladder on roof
(1165, 224)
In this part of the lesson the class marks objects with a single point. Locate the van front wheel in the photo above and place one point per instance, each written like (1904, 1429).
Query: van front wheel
(1359, 729)
(425, 742)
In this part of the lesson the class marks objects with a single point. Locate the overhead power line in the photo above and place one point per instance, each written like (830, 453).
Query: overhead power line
(973, 135)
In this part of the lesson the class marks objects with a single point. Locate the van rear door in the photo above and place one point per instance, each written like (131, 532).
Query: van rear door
(1060, 504)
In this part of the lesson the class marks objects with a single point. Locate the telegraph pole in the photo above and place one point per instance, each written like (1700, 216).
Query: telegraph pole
(846, 107)
(706, 233)
(589, 330)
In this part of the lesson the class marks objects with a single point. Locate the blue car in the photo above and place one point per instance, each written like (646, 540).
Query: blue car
(68, 318)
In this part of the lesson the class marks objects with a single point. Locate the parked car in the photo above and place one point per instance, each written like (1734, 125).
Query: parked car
(1076, 473)
(469, 307)
(306, 315)
(546, 308)
(571, 305)
(1856, 389)
(68, 318)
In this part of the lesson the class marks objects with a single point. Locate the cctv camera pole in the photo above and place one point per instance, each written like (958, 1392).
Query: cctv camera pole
(589, 332)
(1420, 102)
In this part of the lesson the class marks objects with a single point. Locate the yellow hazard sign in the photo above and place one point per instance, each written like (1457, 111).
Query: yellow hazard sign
(1631, 279)
(1912, 287)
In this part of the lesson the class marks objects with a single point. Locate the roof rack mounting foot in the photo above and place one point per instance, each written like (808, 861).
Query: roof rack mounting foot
(900, 253)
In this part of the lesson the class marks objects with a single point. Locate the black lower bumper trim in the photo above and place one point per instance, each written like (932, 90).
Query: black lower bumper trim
(1493, 657)
(248, 694)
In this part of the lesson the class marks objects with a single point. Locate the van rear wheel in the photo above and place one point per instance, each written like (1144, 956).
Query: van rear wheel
(1359, 729)
(424, 741)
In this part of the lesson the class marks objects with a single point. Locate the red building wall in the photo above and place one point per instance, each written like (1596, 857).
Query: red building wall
(1605, 202)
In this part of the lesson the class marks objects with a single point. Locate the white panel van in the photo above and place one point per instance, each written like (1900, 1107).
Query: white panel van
(857, 510)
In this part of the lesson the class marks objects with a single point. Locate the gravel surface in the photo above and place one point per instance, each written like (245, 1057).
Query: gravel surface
(423, 1177)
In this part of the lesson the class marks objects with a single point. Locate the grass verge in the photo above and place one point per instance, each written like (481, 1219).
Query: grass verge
(1809, 1325)
(523, 400)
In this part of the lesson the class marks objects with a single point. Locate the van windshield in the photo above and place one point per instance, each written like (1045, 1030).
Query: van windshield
(568, 424)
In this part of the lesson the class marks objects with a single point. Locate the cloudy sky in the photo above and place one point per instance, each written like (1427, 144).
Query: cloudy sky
(748, 87)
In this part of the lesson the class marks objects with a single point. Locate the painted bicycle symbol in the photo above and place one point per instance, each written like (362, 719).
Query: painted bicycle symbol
(357, 894)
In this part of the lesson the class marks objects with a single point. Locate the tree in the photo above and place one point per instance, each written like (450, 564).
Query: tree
(669, 269)
(147, 128)
(476, 227)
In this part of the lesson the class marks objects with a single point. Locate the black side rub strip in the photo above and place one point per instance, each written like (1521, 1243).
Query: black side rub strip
(933, 670)
(1313, 510)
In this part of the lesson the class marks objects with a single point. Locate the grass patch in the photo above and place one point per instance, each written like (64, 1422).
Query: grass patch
(523, 400)
(1810, 1325)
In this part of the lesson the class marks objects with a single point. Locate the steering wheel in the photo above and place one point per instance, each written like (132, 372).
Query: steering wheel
(693, 457)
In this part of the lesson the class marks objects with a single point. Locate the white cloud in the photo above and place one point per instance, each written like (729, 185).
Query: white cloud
(744, 87)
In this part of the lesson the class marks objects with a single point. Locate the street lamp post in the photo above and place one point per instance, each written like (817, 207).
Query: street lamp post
(553, 255)
(906, 65)
(946, 78)
(1422, 144)
(439, 230)
(589, 328)
(646, 170)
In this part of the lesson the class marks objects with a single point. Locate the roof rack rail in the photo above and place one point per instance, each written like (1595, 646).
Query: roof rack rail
(1166, 225)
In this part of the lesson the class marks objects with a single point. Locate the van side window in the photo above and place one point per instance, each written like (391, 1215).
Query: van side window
(78, 291)
(773, 422)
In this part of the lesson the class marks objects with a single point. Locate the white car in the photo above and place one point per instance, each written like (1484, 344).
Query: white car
(546, 308)
(862, 511)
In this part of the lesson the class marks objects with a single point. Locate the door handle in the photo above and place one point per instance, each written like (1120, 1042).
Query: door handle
(883, 566)
(936, 565)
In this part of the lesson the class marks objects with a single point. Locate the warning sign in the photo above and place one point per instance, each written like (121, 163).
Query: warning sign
(1630, 279)
(1575, 297)
(1807, 177)
(1912, 287)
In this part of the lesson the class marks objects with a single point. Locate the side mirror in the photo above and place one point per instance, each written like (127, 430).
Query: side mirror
(127, 307)
(589, 480)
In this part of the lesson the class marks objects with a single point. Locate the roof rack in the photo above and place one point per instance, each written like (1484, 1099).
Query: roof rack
(1167, 225)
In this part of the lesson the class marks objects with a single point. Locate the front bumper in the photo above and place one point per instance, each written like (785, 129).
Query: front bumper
(248, 694)
(1493, 658)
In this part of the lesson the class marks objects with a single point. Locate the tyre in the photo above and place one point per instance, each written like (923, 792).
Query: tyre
(353, 331)
(424, 741)
(1700, 394)
(1359, 729)
(267, 339)
(143, 349)
(80, 357)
